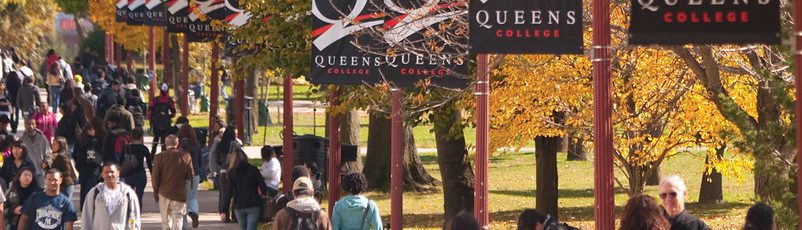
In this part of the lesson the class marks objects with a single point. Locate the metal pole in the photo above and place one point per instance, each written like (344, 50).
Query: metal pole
(152, 61)
(239, 105)
(185, 79)
(482, 104)
(289, 161)
(396, 161)
(602, 118)
(334, 150)
(214, 101)
(798, 84)
(118, 55)
(166, 69)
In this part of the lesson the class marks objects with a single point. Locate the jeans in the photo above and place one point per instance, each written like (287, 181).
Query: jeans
(67, 190)
(249, 217)
(88, 182)
(171, 212)
(55, 96)
(192, 197)
(137, 181)
(159, 136)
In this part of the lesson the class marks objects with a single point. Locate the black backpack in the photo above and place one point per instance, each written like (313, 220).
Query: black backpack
(135, 105)
(303, 220)
(161, 114)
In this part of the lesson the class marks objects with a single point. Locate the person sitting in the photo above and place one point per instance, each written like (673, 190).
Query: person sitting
(643, 213)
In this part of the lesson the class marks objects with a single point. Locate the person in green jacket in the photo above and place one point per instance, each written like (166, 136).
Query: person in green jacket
(355, 211)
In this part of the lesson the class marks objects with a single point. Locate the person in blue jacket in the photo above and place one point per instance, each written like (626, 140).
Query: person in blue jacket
(355, 211)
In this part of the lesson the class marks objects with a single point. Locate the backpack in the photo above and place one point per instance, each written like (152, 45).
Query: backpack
(303, 220)
(161, 114)
(135, 105)
(54, 69)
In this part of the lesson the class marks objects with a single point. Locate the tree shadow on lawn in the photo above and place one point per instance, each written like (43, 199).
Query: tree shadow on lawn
(562, 193)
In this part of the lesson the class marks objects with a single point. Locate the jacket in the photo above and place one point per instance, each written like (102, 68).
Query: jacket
(301, 204)
(38, 149)
(95, 211)
(10, 170)
(349, 212)
(244, 185)
(684, 221)
(62, 162)
(171, 171)
(27, 96)
(121, 116)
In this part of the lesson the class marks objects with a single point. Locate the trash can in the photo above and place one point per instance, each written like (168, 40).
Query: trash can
(204, 104)
(247, 118)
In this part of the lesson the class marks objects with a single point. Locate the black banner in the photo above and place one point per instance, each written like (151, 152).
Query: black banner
(182, 18)
(336, 60)
(677, 22)
(136, 13)
(121, 15)
(155, 15)
(526, 27)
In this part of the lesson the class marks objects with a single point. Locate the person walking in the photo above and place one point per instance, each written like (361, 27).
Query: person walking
(23, 185)
(46, 121)
(172, 170)
(38, 149)
(112, 204)
(245, 186)
(13, 164)
(135, 175)
(71, 126)
(188, 141)
(304, 209)
(643, 213)
(13, 83)
(160, 114)
(27, 97)
(54, 72)
(355, 211)
(48, 209)
(63, 164)
(88, 157)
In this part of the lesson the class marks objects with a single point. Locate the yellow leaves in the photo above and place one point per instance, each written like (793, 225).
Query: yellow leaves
(103, 13)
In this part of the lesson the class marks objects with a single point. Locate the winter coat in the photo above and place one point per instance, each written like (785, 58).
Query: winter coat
(244, 185)
(349, 212)
(38, 149)
(27, 96)
(305, 204)
(125, 214)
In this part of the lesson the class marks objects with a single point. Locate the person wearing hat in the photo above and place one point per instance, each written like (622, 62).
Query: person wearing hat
(160, 113)
(298, 210)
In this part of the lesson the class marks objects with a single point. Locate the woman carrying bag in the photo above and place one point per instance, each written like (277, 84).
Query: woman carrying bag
(246, 187)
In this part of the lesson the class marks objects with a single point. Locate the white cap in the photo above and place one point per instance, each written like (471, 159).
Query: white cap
(164, 87)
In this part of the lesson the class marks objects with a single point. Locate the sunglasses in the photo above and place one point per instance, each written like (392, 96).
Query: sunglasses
(672, 194)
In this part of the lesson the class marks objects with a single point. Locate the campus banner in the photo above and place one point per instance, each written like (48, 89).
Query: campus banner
(337, 59)
(677, 22)
(121, 15)
(155, 15)
(526, 27)
(182, 17)
(136, 13)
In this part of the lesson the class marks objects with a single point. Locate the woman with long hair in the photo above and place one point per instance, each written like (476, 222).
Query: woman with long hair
(18, 160)
(188, 141)
(221, 154)
(643, 213)
(88, 157)
(63, 164)
(22, 187)
(136, 176)
(245, 184)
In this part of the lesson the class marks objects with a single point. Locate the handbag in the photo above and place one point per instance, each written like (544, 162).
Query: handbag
(269, 208)
(129, 161)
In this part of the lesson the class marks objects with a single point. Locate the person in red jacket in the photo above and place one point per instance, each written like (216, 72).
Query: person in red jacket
(160, 113)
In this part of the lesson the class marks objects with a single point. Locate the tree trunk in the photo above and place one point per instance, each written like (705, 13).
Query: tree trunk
(575, 146)
(654, 178)
(636, 179)
(546, 149)
(454, 162)
(175, 62)
(349, 134)
(710, 191)
(377, 165)
(251, 90)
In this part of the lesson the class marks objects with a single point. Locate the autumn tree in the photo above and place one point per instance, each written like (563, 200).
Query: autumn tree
(26, 25)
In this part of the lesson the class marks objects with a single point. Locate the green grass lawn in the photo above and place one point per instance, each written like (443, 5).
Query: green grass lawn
(512, 189)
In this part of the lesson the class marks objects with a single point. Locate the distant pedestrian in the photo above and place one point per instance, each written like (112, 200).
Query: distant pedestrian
(672, 192)
(245, 183)
(46, 121)
(48, 209)
(27, 98)
(643, 213)
(38, 149)
(160, 114)
(760, 217)
(172, 170)
(355, 211)
(302, 212)
(463, 221)
(111, 204)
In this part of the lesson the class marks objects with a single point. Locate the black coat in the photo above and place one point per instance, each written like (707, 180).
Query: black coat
(684, 221)
(84, 165)
(245, 182)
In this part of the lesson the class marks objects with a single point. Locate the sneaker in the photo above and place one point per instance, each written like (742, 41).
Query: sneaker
(194, 217)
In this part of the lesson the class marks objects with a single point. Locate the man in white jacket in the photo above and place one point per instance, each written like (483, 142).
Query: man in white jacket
(111, 204)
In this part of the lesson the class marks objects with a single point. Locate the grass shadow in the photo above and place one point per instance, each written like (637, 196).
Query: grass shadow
(562, 193)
